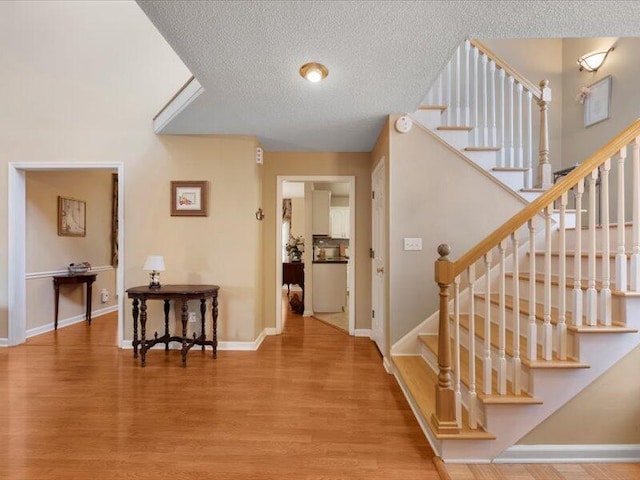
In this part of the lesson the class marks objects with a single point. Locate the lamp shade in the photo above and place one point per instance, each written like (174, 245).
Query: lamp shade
(593, 61)
(154, 263)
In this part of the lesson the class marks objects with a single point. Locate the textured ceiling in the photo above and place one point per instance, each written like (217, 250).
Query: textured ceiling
(382, 57)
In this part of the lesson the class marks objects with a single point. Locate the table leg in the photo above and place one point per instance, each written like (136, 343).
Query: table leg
(185, 319)
(143, 328)
(56, 289)
(214, 313)
(89, 293)
(203, 310)
(167, 307)
(135, 327)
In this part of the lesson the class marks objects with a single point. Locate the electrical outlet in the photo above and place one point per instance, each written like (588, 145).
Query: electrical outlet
(104, 295)
(413, 244)
(192, 317)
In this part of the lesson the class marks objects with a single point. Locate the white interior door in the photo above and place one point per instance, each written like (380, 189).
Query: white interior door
(378, 260)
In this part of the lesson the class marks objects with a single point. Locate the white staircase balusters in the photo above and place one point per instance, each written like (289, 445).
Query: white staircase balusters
(528, 152)
(484, 102)
(475, 84)
(473, 413)
(547, 328)
(457, 87)
(466, 119)
(500, 119)
(446, 95)
(486, 361)
(509, 147)
(621, 254)
(456, 349)
(440, 87)
(502, 322)
(519, 151)
(492, 105)
(562, 280)
(592, 299)
(577, 259)
(605, 291)
(517, 364)
(532, 333)
(635, 222)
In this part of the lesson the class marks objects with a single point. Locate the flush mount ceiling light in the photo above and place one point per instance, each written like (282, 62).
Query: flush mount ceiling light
(593, 61)
(314, 72)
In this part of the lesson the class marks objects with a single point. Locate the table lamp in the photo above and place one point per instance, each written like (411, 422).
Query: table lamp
(155, 265)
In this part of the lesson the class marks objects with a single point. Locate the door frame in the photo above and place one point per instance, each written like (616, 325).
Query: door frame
(17, 254)
(351, 180)
(380, 167)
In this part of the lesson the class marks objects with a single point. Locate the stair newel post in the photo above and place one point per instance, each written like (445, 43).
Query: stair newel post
(544, 167)
(483, 100)
(473, 414)
(562, 280)
(577, 258)
(509, 147)
(517, 387)
(621, 255)
(486, 360)
(444, 419)
(476, 94)
(592, 295)
(547, 328)
(492, 105)
(466, 120)
(519, 150)
(532, 333)
(456, 349)
(528, 152)
(635, 222)
(501, 107)
(502, 322)
(605, 292)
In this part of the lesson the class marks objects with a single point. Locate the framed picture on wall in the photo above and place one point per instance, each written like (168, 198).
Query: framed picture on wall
(597, 105)
(72, 217)
(189, 198)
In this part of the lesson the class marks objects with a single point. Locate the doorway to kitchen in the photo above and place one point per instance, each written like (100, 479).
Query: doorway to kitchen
(312, 244)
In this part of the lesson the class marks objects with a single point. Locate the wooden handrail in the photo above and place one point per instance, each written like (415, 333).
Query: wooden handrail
(501, 63)
(534, 208)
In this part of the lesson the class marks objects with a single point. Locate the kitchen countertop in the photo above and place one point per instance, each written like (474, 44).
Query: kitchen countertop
(333, 260)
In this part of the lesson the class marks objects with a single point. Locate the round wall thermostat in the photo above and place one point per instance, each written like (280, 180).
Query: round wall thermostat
(404, 124)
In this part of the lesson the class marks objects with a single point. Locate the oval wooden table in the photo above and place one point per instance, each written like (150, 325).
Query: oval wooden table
(177, 293)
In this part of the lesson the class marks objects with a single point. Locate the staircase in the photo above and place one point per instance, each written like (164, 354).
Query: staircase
(541, 307)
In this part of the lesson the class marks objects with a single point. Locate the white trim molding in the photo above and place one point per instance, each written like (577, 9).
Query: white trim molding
(49, 327)
(177, 104)
(248, 346)
(34, 275)
(570, 454)
(362, 332)
(4, 342)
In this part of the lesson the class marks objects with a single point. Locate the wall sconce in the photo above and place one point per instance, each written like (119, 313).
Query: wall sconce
(154, 265)
(259, 214)
(593, 61)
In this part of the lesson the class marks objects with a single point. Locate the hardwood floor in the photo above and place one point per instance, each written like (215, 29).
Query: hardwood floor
(311, 403)
(572, 471)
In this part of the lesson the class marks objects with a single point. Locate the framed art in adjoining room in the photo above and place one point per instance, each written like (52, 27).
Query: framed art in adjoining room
(597, 105)
(72, 217)
(189, 198)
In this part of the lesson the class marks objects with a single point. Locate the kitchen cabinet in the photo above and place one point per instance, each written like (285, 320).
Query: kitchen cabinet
(329, 287)
(320, 212)
(340, 222)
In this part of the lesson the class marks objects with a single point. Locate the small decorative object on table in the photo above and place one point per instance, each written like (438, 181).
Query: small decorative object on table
(83, 267)
(154, 264)
(295, 248)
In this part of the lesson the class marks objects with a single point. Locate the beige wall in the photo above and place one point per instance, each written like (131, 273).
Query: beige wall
(439, 197)
(46, 251)
(606, 412)
(97, 72)
(298, 219)
(330, 164)
(537, 59)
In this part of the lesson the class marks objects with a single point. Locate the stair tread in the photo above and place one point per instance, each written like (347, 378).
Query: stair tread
(482, 149)
(507, 169)
(455, 128)
(533, 190)
(421, 382)
(431, 341)
(433, 107)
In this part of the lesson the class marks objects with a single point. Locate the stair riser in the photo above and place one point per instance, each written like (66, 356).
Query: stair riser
(458, 139)
(486, 160)
(514, 180)
(613, 238)
(428, 118)
(529, 196)
(570, 267)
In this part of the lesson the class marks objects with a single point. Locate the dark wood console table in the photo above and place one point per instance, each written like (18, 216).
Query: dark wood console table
(181, 293)
(293, 274)
(73, 279)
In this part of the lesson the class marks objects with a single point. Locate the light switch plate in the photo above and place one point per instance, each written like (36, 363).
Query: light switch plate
(413, 243)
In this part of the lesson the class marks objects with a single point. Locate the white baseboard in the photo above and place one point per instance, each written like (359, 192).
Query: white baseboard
(49, 327)
(388, 366)
(363, 332)
(570, 454)
(270, 331)
(4, 342)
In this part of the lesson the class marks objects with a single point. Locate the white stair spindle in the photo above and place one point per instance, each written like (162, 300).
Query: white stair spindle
(519, 163)
(466, 120)
(605, 292)
(621, 254)
(577, 259)
(456, 349)
(532, 333)
(517, 365)
(457, 87)
(592, 295)
(475, 83)
(440, 100)
(501, 107)
(486, 361)
(492, 105)
(473, 413)
(562, 280)
(447, 82)
(510, 125)
(547, 328)
(483, 99)
(502, 323)
(528, 153)
(635, 222)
